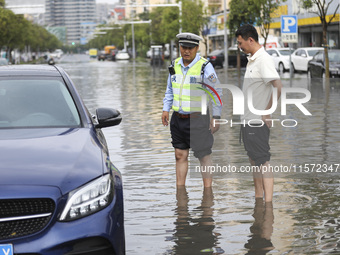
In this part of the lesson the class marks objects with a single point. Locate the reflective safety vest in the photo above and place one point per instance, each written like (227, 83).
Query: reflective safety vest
(187, 90)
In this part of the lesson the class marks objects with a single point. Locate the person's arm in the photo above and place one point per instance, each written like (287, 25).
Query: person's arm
(167, 102)
(212, 80)
(278, 85)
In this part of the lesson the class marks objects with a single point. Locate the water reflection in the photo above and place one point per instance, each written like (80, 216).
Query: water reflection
(262, 229)
(162, 220)
(194, 231)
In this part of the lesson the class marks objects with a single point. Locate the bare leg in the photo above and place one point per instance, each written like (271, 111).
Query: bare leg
(181, 166)
(268, 184)
(258, 183)
(206, 175)
(263, 182)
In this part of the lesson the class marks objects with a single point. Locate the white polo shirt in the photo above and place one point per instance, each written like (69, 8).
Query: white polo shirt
(259, 73)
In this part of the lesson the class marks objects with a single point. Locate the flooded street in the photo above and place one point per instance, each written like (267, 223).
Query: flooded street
(304, 217)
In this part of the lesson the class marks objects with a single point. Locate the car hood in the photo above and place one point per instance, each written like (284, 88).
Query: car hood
(64, 158)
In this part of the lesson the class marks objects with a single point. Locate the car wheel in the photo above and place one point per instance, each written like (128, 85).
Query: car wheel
(293, 68)
(281, 68)
(309, 74)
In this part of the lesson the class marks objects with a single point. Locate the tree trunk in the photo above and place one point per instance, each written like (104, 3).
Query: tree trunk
(324, 35)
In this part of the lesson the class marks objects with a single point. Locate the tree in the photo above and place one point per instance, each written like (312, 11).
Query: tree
(192, 16)
(165, 21)
(239, 14)
(323, 10)
(264, 10)
(115, 37)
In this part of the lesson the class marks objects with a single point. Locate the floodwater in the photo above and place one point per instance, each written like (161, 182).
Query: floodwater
(160, 219)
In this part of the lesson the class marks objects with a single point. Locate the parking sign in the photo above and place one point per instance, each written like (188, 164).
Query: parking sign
(289, 28)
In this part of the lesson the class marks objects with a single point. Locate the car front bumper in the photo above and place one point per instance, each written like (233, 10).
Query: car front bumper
(100, 233)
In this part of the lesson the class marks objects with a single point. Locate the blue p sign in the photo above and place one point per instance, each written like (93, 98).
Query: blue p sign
(289, 28)
(289, 24)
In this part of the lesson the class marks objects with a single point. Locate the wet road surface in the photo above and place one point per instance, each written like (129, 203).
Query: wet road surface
(160, 219)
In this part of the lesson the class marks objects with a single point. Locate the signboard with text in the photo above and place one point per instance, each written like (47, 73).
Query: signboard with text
(289, 28)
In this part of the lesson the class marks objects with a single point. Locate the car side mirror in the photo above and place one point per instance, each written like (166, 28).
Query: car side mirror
(275, 55)
(303, 55)
(107, 117)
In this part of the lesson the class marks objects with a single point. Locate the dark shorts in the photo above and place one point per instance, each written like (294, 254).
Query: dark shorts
(192, 133)
(256, 143)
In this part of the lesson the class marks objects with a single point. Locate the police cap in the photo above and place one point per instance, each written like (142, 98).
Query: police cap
(188, 39)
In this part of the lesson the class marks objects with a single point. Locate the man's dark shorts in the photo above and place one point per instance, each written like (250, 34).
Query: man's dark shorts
(256, 143)
(192, 133)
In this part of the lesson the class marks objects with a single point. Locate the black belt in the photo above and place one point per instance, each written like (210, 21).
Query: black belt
(187, 116)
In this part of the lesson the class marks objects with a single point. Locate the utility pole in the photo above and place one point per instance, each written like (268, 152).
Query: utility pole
(133, 33)
(225, 37)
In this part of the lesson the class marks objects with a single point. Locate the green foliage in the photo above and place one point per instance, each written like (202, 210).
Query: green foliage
(165, 21)
(252, 12)
(115, 37)
(240, 12)
(16, 32)
(163, 28)
(192, 16)
(169, 24)
(306, 4)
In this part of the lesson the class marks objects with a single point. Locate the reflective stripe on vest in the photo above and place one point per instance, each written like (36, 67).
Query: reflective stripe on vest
(187, 90)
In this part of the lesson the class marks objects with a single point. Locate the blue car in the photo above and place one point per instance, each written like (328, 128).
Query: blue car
(59, 191)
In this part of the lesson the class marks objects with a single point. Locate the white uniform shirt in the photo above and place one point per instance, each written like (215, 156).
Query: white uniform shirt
(259, 73)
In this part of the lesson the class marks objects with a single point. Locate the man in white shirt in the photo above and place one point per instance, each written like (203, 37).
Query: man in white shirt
(260, 78)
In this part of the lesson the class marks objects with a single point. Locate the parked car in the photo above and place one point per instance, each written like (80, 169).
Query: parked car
(301, 56)
(57, 53)
(281, 58)
(122, 55)
(216, 58)
(59, 191)
(316, 66)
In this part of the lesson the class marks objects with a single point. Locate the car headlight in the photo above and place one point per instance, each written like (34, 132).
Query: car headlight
(88, 199)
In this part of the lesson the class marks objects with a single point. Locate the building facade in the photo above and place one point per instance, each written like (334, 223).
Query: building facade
(33, 11)
(132, 12)
(77, 16)
(309, 24)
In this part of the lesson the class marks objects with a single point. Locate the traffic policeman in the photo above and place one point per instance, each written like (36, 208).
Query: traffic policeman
(192, 80)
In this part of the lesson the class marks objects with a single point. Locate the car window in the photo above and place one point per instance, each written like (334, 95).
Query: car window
(311, 53)
(232, 53)
(284, 52)
(36, 103)
(216, 52)
(334, 56)
(270, 52)
(318, 56)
